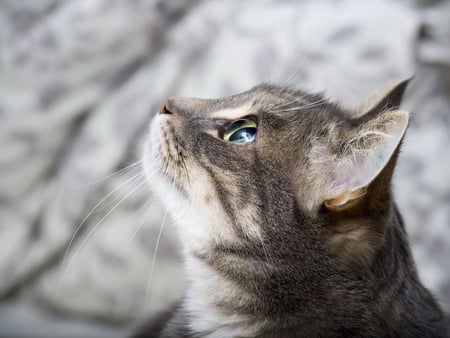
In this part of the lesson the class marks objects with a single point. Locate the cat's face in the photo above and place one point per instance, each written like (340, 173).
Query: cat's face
(258, 169)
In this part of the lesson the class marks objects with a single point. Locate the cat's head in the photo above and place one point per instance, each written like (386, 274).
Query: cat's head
(277, 169)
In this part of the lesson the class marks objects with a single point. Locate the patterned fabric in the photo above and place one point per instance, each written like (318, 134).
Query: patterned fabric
(80, 80)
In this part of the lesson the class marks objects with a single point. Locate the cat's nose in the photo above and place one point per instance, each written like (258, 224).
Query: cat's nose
(165, 108)
(178, 105)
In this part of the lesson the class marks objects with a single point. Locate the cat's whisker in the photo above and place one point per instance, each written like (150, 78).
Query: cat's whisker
(114, 199)
(314, 103)
(301, 100)
(155, 252)
(308, 106)
(77, 230)
(297, 74)
(286, 104)
(295, 65)
(90, 233)
(118, 172)
(148, 206)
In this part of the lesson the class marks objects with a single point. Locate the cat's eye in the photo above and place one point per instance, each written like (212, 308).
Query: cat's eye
(241, 131)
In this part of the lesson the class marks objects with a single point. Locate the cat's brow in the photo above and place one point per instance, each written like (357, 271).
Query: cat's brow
(233, 113)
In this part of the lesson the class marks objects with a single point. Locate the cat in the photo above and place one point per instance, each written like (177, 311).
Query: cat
(284, 210)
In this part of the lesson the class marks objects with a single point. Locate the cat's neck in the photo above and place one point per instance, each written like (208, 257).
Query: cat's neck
(400, 301)
(204, 302)
(385, 295)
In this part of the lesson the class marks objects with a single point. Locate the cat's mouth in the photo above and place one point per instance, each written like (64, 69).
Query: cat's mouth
(166, 154)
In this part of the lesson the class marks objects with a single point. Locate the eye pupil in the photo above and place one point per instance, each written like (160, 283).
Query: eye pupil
(241, 131)
(243, 135)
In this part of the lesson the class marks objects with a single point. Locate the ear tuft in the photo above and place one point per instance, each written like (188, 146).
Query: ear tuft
(364, 154)
(388, 98)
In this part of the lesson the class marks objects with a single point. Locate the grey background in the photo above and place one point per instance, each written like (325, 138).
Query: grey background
(79, 82)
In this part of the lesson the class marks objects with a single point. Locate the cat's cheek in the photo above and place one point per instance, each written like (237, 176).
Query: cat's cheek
(152, 156)
(211, 222)
(152, 160)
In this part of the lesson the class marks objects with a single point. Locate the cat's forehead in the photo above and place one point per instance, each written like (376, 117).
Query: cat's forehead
(265, 94)
(261, 98)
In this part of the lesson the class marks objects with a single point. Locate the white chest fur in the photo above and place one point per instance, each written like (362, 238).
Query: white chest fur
(206, 289)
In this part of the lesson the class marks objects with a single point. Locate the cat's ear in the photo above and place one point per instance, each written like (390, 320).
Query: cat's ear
(387, 98)
(361, 159)
(368, 149)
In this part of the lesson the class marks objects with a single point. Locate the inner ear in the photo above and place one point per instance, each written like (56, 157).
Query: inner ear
(363, 154)
(388, 98)
(366, 148)
(346, 198)
(360, 161)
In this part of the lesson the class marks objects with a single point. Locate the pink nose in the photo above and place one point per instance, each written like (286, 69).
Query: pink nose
(165, 108)
(178, 105)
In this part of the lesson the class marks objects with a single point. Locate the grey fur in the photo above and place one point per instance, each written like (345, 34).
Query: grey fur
(308, 276)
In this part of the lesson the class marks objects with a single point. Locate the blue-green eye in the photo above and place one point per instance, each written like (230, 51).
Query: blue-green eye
(241, 131)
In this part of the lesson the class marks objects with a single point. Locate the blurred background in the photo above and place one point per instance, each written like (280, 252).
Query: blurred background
(79, 82)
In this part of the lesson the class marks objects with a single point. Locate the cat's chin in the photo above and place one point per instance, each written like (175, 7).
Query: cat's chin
(153, 164)
(155, 167)
(164, 186)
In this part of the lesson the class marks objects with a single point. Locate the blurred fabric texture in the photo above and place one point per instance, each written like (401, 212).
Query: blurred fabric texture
(80, 81)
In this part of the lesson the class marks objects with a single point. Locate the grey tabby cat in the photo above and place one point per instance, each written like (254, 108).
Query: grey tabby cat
(286, 217)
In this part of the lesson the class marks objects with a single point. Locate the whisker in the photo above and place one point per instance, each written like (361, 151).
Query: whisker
(84, 242)
(302, 100)
(127, 168)
(114, 199)
(100, 221)
(308, 106)
(296, 100)
(149, 206)
(135, 177)
(155, 252)
(293, 76)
